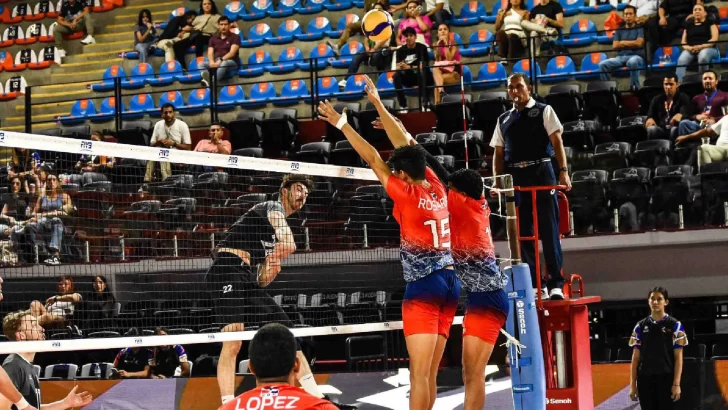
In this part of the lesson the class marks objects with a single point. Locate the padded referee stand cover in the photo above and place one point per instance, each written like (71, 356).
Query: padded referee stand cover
(527, 368)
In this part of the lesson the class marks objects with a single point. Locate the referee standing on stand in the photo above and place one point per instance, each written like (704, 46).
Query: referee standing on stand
(525, 139)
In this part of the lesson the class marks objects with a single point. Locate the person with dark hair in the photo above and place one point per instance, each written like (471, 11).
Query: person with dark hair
(629, 40)
(46, 219)
(166, 359)
(667, 110)
(525, 139)
(99, 304)
(23, 326)
(222, 52)
(204, 26)
(170, 133)
(510, 36)
(15, 206)
(671, 16)
(74, 16)
(412, 61)
(133, 362)
(547, 21)
(247, 260)
(420, 208)
(59, 308)
(94, 163)
(699, 41)
(23, 163)
(706, 108)
(657, 357)
(447, 69)
(177, 29)
(145, 35)
(274, 362)
(413, 18)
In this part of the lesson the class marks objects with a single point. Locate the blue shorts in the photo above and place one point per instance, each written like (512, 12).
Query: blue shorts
(430, 303)
(485, 314)
(497, 300)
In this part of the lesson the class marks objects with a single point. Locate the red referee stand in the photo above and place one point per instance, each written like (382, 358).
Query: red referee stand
(564, 324)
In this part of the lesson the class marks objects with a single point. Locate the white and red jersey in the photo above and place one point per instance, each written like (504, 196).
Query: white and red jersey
(277, 396)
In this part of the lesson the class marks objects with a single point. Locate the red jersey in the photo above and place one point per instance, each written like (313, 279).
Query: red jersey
(472, 244)
(271, 397)
(424, 225)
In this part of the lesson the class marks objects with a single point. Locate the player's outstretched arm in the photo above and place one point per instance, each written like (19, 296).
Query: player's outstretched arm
(284, 247)
(364, 149)
(392, 126)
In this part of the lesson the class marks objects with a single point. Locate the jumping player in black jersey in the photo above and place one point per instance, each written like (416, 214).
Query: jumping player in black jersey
(247, 260)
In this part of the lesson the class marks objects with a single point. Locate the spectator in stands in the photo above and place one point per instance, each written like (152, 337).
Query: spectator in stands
(167, 359)
(547, 21)
(145, 35)
(204, 26)
(178, 28)
(273, 361)
(215, 144)
(412, 60)
(699, 40)
(647, 19)
(15, 205)
(667, 110)
(708, 153)
(671, 16)
(100, 303)
(438, 10)
(59, 308)
(75, 16)
(95, 163)
(422, 25)
(46, 219)
(23, 164)
(447, 67)
(39, 180)
(629, 40)
(376, 54)
(222, 53)
(646, 9)
(510, 36)
(22, 326)
(133, 362)
(170, 133)
(707, 108)
(355, 27)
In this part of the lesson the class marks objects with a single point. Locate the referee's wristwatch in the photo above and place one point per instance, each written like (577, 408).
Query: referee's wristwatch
(564, 169)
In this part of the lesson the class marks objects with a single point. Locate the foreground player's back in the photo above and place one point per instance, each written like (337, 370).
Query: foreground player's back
(283, 396)
(424, 225)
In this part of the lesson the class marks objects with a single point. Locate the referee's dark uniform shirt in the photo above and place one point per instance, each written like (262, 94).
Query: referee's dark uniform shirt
(657, 341)
(23, 375)
(524, 136)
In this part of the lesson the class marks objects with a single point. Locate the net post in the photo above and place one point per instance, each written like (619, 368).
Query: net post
(511, 221)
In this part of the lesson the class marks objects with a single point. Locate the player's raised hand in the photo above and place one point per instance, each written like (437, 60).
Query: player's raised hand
(77, 399)
(371, 90)
(327, 112)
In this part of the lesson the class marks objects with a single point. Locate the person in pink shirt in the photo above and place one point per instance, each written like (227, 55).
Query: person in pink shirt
(415, 19)
(214, 145)
(447, 67)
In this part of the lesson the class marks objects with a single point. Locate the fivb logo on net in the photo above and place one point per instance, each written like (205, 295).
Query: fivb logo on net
(87, 146)
(2, 138)
(164, 154)
(233, 161)
(295, 166)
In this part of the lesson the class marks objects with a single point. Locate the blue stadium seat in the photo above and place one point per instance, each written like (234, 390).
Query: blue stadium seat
(672, 51)
(257, 62)
(258, 10)
(197, 102)
(346, 54)
(491, 74)
(171, 97)
(596, 9)
(606, 37)
(338, 5)
(139, 106)
(723, 16)
(107, 82)
(385, 84)
(292, 92)
(590, 66)
(480, 43)
(230, 96)
(571, 7)
(559, 68)
(234, 10)
(80, 112)
(285, 33)
(490, 18)
(470, 14)
(107, 110)
(167, 74)
(257, 35)
(285, 8)
(321, 55)
(341, 25)
(581, 34)
(354, 88)
(260, 95)
(194, 75)
(138, 76)
(311, 7)
(315, 30)
(531, 4)
(327, 88)
(524, 67)
(287, 61)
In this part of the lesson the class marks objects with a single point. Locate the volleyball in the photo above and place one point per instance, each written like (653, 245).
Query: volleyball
(377, 25)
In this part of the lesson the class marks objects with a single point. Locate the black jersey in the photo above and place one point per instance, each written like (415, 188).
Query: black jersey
(23, 375)
(253, 232)
(657, 341)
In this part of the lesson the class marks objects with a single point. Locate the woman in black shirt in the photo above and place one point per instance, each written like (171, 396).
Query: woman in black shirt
(547, 21)
(698, 40)
(99, 305)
